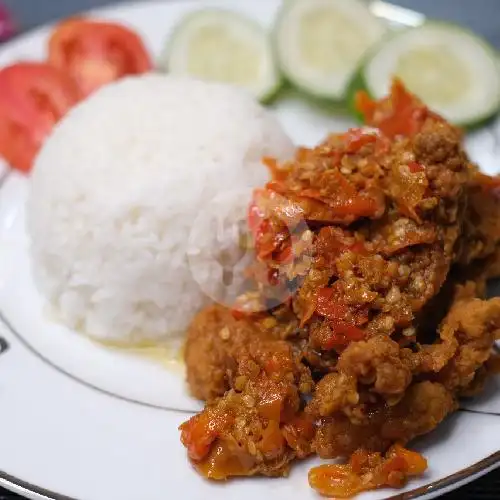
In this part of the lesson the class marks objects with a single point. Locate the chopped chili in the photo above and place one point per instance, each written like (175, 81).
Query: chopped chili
(367, 471)
(400, 114)
(415, 167)
(342, 334)
(356, 138)
(200, 432)
(342, 320)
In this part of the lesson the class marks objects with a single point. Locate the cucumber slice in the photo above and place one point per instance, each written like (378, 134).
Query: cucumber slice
(220, 45)
(319, 43)
(452, 70)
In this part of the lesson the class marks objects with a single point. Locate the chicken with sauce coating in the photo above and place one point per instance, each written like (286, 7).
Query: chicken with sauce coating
(383, 247)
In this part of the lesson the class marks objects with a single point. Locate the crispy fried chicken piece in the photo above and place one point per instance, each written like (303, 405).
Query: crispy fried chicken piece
(393, 209)
(470, 281)
(375, 280)
(376, 371)
(481, 232)
(213, 337)
(476, 325)
(381, 243)
(423, 407)
(216, 340)
(379, 363)
(466, 339)
(492, 265)
(258, 426)
(363, 403)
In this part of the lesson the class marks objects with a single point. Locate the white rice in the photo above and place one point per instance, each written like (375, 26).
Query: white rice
(116, 189)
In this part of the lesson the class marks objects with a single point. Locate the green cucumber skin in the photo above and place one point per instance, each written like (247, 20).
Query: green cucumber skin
(319, 99)
(320, 105)
(273, 94)
(482, 122)
(359, 81)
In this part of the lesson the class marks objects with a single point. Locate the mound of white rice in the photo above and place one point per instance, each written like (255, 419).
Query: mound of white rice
(115, 192)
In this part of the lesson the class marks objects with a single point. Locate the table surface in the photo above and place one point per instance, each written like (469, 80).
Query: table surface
(482, 16)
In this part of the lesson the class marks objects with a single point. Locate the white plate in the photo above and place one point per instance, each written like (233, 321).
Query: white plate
(80, 421)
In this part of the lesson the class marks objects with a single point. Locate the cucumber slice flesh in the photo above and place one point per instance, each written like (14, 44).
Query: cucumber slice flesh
(452, 70)
(219, 45)
(319, 43)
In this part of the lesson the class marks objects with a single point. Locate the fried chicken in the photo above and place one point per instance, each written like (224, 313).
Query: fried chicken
(258, 426)
(216, 340)
(392, 209)
(372, 253)
(213, 339)
(423, 407)
(481, 232)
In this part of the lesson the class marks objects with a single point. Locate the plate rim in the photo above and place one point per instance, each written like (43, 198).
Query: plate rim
(35, 492)
(450, 483)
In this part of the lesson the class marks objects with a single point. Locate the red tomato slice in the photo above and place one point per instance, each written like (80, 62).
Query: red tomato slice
(33, 97)
(96, 53)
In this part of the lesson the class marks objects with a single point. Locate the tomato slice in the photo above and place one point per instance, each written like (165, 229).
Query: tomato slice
(33, 97)
(95, 53)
